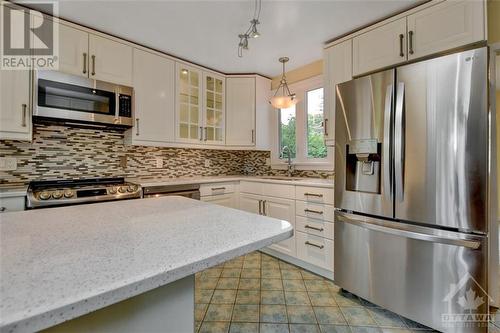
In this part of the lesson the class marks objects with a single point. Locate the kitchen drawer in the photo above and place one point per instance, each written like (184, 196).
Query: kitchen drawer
(227, 200)
(268, 189)
(216, 189)
(314, 194)
(315, 250)
(314, 226)
(314, 210)
(12, 204)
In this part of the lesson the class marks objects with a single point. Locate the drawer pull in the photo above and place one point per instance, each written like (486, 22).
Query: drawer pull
(315, 245)
(218, 188)
(313, 228)
(307, 210)
(313, 195)
(2, 209)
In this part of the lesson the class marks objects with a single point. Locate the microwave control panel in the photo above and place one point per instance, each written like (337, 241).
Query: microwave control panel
(125, 107)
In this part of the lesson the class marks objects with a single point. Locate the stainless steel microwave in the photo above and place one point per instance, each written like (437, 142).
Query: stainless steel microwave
(73, 99)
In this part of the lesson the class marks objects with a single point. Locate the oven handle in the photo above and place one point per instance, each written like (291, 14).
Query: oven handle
(385, 227)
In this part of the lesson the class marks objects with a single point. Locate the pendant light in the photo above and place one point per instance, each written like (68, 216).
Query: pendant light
(286, 99)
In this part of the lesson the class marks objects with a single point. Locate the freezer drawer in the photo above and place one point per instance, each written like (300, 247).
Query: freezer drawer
(420, 273)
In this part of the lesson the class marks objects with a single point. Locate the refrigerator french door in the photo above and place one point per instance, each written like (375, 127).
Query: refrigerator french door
(411, 189)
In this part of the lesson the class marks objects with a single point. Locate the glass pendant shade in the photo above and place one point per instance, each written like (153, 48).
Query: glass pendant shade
(283, 102)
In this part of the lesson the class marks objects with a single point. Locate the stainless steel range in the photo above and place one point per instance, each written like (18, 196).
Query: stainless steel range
(43, 194)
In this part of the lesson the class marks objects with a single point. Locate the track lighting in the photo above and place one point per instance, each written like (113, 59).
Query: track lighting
(252, 31)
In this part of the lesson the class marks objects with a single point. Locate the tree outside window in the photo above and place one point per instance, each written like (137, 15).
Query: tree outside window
(316, 147)
(288, 122)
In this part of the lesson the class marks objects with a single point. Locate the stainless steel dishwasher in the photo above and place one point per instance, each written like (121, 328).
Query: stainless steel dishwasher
(191, 191)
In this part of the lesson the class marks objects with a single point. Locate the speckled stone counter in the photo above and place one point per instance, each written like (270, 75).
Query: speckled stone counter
(60, 263)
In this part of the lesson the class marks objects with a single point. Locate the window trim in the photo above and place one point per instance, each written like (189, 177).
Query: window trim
(301, 162)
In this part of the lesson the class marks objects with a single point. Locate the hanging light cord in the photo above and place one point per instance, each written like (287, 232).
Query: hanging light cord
(283, 84)
(243, 44)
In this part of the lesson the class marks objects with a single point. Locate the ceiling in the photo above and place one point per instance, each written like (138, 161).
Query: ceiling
(205, 31)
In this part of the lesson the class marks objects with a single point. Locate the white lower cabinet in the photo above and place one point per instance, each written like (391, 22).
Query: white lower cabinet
(314, 226)
(227, 200)
(282, 209)
(251, 203)
(315, 250)
(12, 204)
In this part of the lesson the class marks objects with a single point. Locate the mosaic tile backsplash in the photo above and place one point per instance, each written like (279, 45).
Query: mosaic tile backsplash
(62, 152)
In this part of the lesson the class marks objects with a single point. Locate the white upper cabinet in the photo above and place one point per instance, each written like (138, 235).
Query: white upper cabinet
(73, 51)
(381, 47)
(214, 108)
(338, 69)
(263, 113)
(110, 60)
(188, 122)
(15, 115)
(154, 105)
(240, 108)
(445, 26)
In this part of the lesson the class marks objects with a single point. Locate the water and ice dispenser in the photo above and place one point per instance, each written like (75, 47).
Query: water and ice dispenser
(363, 165)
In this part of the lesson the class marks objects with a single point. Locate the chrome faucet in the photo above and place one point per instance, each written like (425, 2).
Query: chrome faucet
(290, 167)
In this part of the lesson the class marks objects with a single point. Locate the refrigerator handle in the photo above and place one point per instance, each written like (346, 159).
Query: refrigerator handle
(386, 153)
(385, 227)
(399, 143)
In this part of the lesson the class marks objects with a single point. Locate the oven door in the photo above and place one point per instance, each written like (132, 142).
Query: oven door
(68, 98)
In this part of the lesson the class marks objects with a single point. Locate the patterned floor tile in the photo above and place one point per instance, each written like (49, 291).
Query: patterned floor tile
(207, 283)
(294, 285)
(357, 316)
(274, 328)
(334, 329)
(346, 299)
(250, 273)
(285, 265)
(304, 328)
(219, 312)
(315, 285)
(222, 296)
(386, 318)
(272, 297)
(273, 314)
(231, 272)
(271, 284)
(364, 329)
(212, 327)
(291, 274)
(251, 264)
(309, 276)
(301, 314)
(322, 299)
(246, 313)
(271, 273)
(199, 311)
(212, 272)
(244, 327)
(297, 298)
(414, 325)
(203, 295)
(228, 283)
(248, 297)
(397, 330)
(249, 284)
(329, 315)
(234, 264)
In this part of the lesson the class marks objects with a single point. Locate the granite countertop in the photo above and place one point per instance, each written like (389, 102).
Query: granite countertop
(152, 181)
(60, 263)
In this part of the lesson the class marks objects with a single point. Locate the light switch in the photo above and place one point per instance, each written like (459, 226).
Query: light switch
(8, 163)
(159, 162)
(207, 163)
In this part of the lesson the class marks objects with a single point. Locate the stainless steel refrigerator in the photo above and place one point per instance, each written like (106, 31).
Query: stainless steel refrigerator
(413, 220)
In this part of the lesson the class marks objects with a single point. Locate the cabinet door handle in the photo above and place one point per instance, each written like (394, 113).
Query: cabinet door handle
(136, 126)
(253, 136)
(218, 188)
(260, 207)
(206, 133)
(410, 41)
(264, 207)
(200, 134)
(401, 39)
(84, 63)
(315, 245)
(23, 119)
(2, 209)
(313, 195)
(307, 226)
(307, 210)
(93, 65)
(325, 127)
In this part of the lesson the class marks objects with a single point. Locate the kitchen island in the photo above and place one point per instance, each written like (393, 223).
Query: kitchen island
(118, 266)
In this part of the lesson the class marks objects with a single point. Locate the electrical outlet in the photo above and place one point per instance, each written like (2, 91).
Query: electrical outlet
(207, 163)
(123, 161)
(8, 163)
(159, 162)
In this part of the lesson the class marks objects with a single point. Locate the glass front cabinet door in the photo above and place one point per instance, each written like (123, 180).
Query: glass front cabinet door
(200, 106)
(189, 104)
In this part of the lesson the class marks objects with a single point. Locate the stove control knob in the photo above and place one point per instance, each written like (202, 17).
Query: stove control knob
(68, 194)
(122, 189)
(44, 195)
(132, 188)
(57, 194)
(112, 190)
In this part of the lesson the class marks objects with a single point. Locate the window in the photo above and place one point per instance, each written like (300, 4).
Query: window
(300, 128)
(287, 129)
(316, 147)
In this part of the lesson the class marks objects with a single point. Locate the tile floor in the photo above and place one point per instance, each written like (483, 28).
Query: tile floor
(259, 293)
